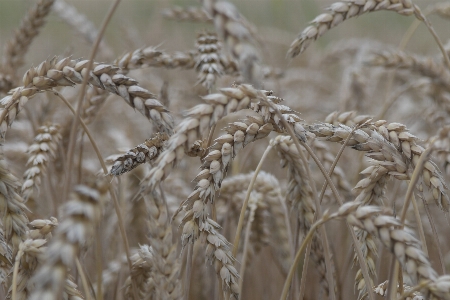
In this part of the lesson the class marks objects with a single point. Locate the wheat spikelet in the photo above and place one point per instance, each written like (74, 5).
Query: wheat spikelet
(427, 67)
(67, 72)
(145, 152)
(164, 252)
(239, 37)
(41, 152)
(29, 28)
(341, 11)
(190, 14)
(81, 215)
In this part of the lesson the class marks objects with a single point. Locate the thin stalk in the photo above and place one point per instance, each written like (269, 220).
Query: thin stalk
(420, 226)
(245, 252)
(73, 131)
(99, 262)
(436, 238)
(87, 131)
(305, 242)
(188, 271)
(83, 279)
(237, 236)
(322, 193)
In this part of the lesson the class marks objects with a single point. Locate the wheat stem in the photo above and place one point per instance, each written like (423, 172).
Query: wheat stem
(73, 131)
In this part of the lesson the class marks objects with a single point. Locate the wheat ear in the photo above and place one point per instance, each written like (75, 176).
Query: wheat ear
(151, 57)
(270, 213)
(239, 37)
(81, 215)
(12, 207)
(141, 273)
(424, 66)
(41, 152)
(29, 28)
(145, 152)
(67, 72)
(165, 258)
(341, 11)
(31, 251)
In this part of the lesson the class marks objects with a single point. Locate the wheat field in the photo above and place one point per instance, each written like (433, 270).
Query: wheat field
(215, 149)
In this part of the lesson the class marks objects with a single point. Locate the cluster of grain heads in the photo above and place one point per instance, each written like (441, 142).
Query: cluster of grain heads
(393, 147)
(41, 152)
(145, 152)
(196, 125)
(66, 72)
(341, 11)
(80, 217)
(215, 164)
(17, 47)
(400, 241)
